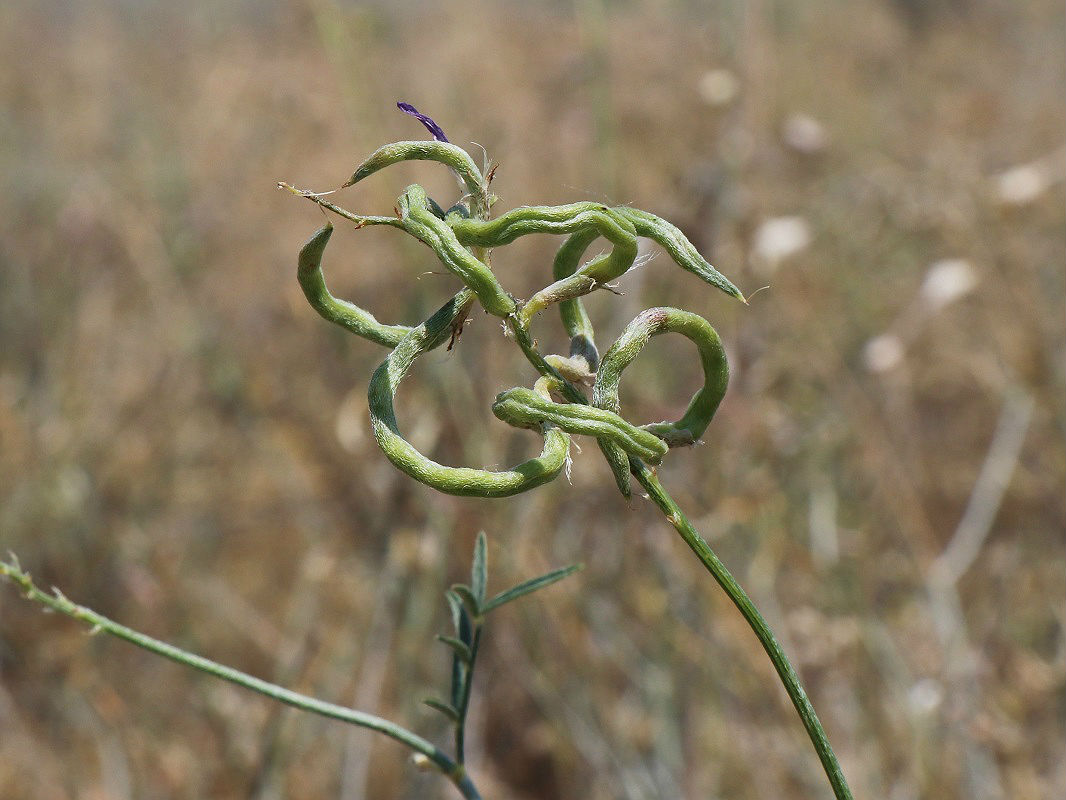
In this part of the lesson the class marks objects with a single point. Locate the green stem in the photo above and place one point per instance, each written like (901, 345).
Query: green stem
(57, 602)
(464, 705)
(650, 481)
(361, 220)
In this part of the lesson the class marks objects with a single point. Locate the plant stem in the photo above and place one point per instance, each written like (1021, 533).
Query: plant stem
(361, 220)
(57, 602)
(464, 705)
(676, 517)
(650, 481)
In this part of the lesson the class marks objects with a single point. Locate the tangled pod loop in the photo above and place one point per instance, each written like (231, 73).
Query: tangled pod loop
(461, 238)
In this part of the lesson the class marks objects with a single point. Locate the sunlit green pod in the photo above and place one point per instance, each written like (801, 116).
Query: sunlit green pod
(589, 220)
(575, 319)
(704, 403)
(618, 461)
(340, 312)
(418, 220)
(526, 408)
(680, 249)
(442, 152)
(451, 480)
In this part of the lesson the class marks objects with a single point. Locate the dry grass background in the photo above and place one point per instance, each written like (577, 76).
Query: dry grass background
(184, 443)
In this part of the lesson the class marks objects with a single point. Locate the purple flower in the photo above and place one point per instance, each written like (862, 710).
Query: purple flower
(431, 126)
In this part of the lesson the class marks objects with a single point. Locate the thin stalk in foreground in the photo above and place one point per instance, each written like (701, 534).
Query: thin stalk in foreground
(676, 517)
(57, 602)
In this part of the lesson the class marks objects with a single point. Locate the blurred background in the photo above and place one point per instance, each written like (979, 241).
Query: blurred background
(184, 443)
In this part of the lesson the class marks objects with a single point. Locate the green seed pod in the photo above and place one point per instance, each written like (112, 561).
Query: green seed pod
(583, 218)
(526, 408)
(575, 318)
(704, 403)
(451, 480)
(681, 250)
(443, 152)
(418, 220)
(340, 312)
(618, 461)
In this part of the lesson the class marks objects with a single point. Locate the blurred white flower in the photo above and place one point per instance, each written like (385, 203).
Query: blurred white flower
(883, 352)
(719, 87)
(1021, 185)
(804, 134)
(780, 237)
(947, 281)
(925, 696)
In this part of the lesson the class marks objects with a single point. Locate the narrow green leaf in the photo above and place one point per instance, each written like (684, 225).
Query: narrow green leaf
(470, 601)
(464, 637)
(458, 647)
(479, 569)
(529, 586)
(455, 605)
(442, 707)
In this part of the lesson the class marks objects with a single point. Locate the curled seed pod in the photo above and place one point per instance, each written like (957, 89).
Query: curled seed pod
(340, 312)
(681, 250)
(418, 220)
(584, 218)
(526, 408)
(618, 461)
(704, 403)
(443, 152)
(451, 480)
(575, 318)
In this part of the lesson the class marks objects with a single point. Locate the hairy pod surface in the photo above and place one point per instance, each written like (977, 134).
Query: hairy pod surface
(526, 408)
(703, 404)
(620, 466)
(340, 312)
(442, 152)
(423, 224)
(463, 481)
(575, 319)
(680, 249)
(588, 218)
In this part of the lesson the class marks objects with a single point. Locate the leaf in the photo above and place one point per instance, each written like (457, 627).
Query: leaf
(464, 630)
(460, 648)
(470, 601)
(443, 708)
(456, 606)
(479, 569)
(529, 586)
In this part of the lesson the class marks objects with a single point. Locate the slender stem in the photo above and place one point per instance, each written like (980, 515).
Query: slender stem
(650, 481)
(57, 602)
(361, 220)
(676, 517)
(526, 345)
(464, 704)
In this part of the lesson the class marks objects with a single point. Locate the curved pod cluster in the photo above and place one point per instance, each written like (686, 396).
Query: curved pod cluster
(462, 238)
